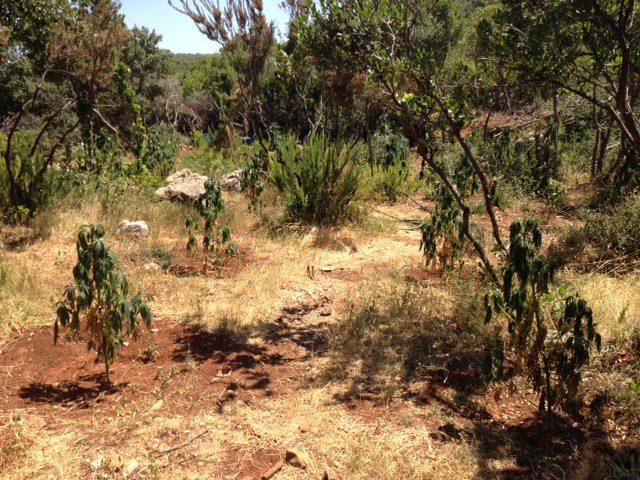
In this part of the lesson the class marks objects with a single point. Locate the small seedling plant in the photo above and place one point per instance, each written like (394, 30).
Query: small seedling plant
(551, 331)
(216, 240)
(99, 295)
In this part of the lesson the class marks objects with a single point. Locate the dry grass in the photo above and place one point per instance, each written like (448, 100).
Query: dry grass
(397, 445)
(615, 302)
(381, 332)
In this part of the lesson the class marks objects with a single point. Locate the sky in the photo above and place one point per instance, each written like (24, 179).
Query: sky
(179, 33)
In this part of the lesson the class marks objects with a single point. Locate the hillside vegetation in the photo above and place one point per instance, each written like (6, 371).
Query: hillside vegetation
(410, 248)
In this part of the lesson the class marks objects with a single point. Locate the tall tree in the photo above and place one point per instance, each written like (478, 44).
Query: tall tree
(247, 38)
(66, 69)
(402, 48)
(589, 48)
(148, 64)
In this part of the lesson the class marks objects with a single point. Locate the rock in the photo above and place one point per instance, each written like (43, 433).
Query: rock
(129, 467)
(326, 312)
(151, 266)
(330, 474)
(232, 181)
(326, 269)
(139, 228)
(183, 186)
(296, 459)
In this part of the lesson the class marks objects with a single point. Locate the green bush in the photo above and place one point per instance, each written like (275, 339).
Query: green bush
(161, 150)
(318, 181)
(616, 231)
(391, 149)
(391, 181)
(37, 183)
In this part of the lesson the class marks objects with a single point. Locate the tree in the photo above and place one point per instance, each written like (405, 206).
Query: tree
(588, 48)
(247, 39)
(148, 65)
(66, 69)
(403, 49)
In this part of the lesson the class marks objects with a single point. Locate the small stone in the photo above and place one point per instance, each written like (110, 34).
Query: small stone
(330, 474)
(157, 406)
(151, 266)
(139, 228)
(326, 269)
(129, 467)
(326, 312)
(304, 428)
(296, 459)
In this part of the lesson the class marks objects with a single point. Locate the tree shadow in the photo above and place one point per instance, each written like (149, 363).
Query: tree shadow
(86, 389)
(312, 337)
(201, 345)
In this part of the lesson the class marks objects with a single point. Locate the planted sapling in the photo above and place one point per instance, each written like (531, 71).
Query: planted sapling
(216, 241)
(99, 295)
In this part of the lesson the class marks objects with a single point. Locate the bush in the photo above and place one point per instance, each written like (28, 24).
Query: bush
(36, 182)
(391, 181)
(391, 149)
(616, 231)
(318, 181)
(161, 150)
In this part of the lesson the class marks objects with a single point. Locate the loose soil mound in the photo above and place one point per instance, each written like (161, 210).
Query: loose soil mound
(216, 367)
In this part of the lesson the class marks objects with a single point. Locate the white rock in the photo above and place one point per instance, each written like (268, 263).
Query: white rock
(139, 228)
(232, 181)
(183, 185)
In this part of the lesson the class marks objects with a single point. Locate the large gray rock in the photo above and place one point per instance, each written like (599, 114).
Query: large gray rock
(183, 185)
(232, 181)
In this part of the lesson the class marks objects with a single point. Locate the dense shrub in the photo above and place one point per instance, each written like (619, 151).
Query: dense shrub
(161, 150)
(318, 181)
(616, 230)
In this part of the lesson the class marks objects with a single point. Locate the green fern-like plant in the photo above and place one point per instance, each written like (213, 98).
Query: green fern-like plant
(99, 294)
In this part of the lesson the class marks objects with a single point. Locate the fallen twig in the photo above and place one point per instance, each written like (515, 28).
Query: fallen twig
(273, 470)
(159, 453)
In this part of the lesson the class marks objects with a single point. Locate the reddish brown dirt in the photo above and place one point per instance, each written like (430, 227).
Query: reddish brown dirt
(190, 265)
(216, 367)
